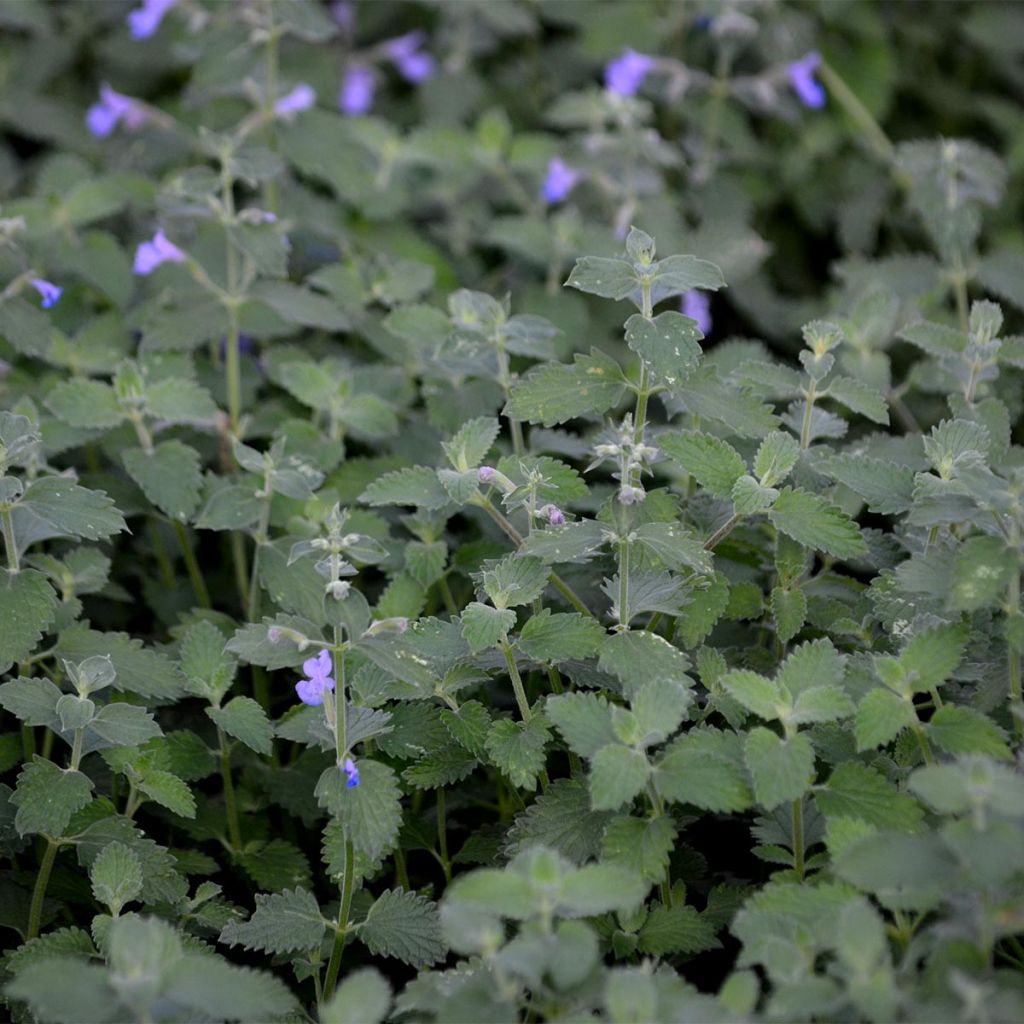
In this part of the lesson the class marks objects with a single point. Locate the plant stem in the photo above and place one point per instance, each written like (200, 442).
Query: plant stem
(721, 533)
(35, 912)
(448, 597)
(805, 427)
(863, 118)
(252, 604)
(270, 98)
(334, 964)
(13, 562)
(623, 585)
(160, 553)
(922, 742)
(517, 681)
(240, 561)
(1012, 654)
(232, 363)
(798, 837)
(230, 805)
(194, 574)
(442, 835)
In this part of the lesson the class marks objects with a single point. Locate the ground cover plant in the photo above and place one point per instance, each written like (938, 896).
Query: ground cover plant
(512, 511)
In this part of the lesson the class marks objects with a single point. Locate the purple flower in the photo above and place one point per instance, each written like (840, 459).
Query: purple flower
(351, 769)
(626, 73)
(318, 669)
(112, 109)
(413, 65)
(485, 474)
(357, 89)
(808, 88)
(48, 291)
(344, 15)
(697, 306)
(150, 255)
(553, 514)
(561, 179)
(145, 20)
(301, 98)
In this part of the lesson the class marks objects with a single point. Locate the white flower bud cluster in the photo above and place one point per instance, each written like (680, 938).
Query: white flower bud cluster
(634, 458)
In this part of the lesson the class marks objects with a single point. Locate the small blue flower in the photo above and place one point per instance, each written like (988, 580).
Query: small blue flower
(626, 73)
(150, 255)
(301, 98)
(145, 20)
(48, 291)
(697, 305)
(808, 88)
(318, 669)
(351, 769)
(560, 180)
(413, 64)
(357, 89)
(114, 108)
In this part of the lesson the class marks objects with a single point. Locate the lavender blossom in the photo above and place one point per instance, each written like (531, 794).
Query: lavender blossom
(553, 514)
(626, 73)
(344, 14)
(150, 255)
(485, 474)
(697, 306)
(561, 179)
(801, 76)
(318, 669)
(113, 109)
(357, 89)
(351, 769)
(145, 20)
(48, 291)
(301, 98)
(413, 64)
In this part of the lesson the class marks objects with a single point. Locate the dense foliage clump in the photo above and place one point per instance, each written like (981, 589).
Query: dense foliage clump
(513, 511)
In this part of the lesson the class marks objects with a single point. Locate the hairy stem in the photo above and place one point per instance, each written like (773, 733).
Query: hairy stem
(230, 805)
(722, 532)
(442, 835)
(334, 964)
(847, 99)
(517, 681)
(10, 545)
(1012, 654)
(35, 912)
(798, 837)
(194, 573)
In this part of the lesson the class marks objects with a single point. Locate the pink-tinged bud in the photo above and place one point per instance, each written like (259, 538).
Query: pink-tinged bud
(553, 514)
(631, 495)
(485, 474)
(274, 635)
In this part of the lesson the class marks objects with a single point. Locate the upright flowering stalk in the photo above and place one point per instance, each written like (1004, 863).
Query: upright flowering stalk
(48, 291)
(801, 76)
(113, 109)
(150, 255)
(413, 64)
(357, 90)
(560, 180)
(626, 73)
(145, 20)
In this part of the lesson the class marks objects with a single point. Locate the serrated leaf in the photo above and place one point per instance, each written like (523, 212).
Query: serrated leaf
(468, 726)
(34, 701)
(245, 720)
(816, 523)
(406, 926)
(230, 508)
(169, 476)
(684, 273)
(212, 988)
(47, 797)
(781, 770)
(599, 888)
(561, 819)
(553, 393)
(145, 672)
(364, 997)
(674, 546)
(617, 775)
(931, 657)
(517, 749)
(169, 791)
(466, 450)
(705, 395)
(887, 487)
(116, 876)
(755, 692)
(27, 606)
(859, 397)
(178, 400)
(608, 278)
(52, 506)
(675, 929)
(284, 922)
(484, 626)
(962, 730)
(776, 457)
(668, 344)
(705, 768)
(789, 609)
(415, 485)
(881, 716)
(370, 813)
(515, 580)
(583, 719)
(560, 636)
(856, 790)
(641, 844)
(123, 725)
(712, 462)
(87, 404)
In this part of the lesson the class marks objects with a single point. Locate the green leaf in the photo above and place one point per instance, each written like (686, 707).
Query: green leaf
(775, 458)
(705, 767)
(83, 993)
(515, 580)
(517, 749)
(178, 400)
(859, 397)
(116, 876)
(47, 797)
(675, 929)
(668, 344)
(28, 329)
(789, 609)
(600, 888)
(484, 627)
(364, 997)
(905, 871)
(659, 706)
(124, 725)
(674, 546)
(284, 922)
(881, 716)
(466, 450)
(821, 704)
(169, 791)
(468, 726)
(749, 498)
(617, 775)
(52, 506)
(962, 730)
(781, 770)
(754, 692)
(144, 672)
(887, 487)
(230, 508)
(856, 790)
(27, 606)
(34, 701)
(215, 990)
(637, 655)
(276, 865)
(935, 339)
(982, 569)
(683, 273)
(370, 813)
(301, 306)
(816, 523)
(245, 720)
(169, 476)
(931, 657)
(609, 278)
(641, 844)
(415, 485)
(813, 663)
(712, 462)
(562, 819)
(705, 395)
(553, 637)
(406, 926)
(553, 393)
(583, 719)
(86, 404)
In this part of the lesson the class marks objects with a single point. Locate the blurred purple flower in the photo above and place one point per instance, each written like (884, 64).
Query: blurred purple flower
(112, 109)
(301, 98)
(626, 73)
(344, 14)
(357, 89)
(553, 514)
(560, 180)
(351, 769)
(697, 305)
(48, 291)
(150, 255)
(485, 474)
(145, 20)
(318, 670)
(413, 64)
(808, 88)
